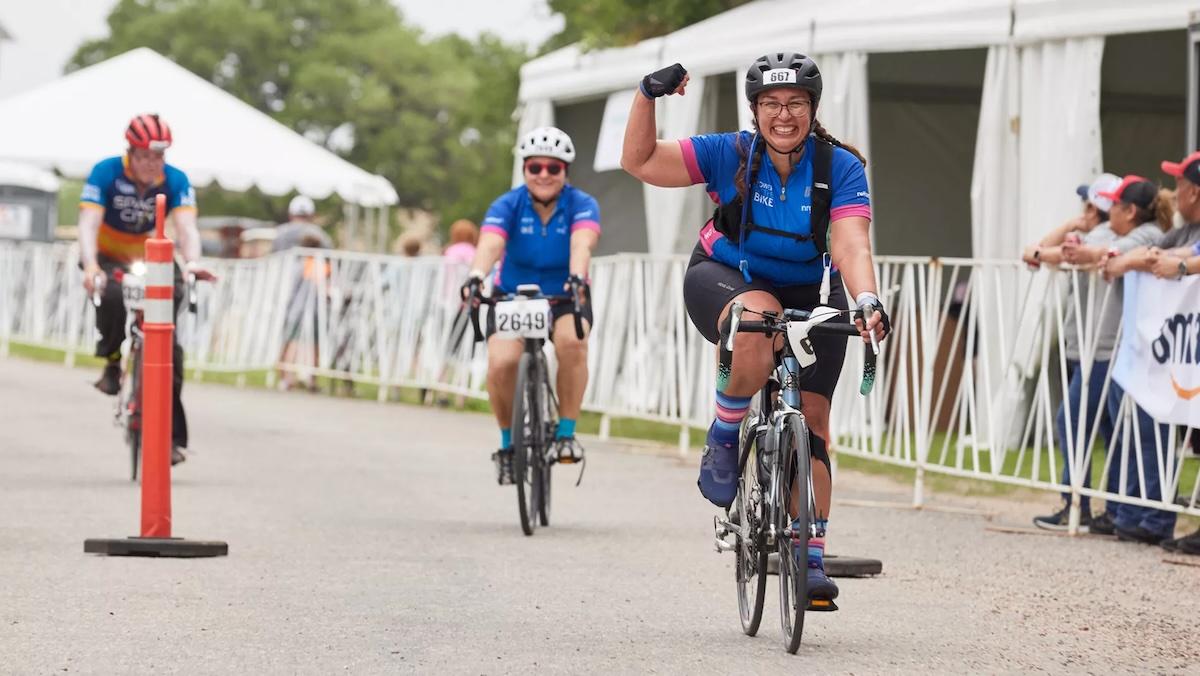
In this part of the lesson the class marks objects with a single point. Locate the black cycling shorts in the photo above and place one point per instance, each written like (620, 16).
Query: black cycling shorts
(709, 286)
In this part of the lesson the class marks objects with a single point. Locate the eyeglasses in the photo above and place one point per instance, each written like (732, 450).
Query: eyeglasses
(796, 108)
(552, 168)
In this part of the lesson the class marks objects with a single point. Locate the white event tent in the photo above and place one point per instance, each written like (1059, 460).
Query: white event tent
(71, 123)
(979, 117)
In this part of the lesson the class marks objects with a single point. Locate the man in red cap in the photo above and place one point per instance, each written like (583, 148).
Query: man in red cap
(1169, 260)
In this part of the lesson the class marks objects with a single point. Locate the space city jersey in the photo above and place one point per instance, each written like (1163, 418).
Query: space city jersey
(129, 215)
(713, 159)
(535, 252)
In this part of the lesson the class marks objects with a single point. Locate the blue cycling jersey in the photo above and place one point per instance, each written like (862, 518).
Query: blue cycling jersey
(535, 252)
(129, 215)
(713, 159)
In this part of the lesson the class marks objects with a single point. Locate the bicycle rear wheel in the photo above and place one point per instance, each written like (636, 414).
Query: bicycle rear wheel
(750, 567)
(793, 576)
(526, 428)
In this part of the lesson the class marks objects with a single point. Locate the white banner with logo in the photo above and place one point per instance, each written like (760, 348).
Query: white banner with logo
(1158, 362)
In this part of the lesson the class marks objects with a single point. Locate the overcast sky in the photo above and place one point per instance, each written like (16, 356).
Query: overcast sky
(45, 33)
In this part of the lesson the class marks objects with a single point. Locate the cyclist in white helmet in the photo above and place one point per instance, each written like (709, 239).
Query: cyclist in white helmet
(542, 232)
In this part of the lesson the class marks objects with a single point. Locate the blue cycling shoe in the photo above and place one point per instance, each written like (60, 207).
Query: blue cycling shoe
(821, 589)
(718, 473)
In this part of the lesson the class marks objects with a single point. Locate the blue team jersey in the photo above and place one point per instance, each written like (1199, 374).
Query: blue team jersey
(537, 253)
(713, 159)
(129, 215)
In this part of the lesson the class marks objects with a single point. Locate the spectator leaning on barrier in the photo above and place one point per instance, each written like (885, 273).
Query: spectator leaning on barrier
(1138, 205)
(1164, 258)
(1061, 242)
(1179, 257)
(301, 223)
(1095, 211)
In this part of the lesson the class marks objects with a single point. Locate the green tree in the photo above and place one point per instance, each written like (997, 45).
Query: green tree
(433, 116)
(607, 23)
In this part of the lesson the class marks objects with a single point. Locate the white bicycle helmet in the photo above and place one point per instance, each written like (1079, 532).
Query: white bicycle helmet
(546, 142)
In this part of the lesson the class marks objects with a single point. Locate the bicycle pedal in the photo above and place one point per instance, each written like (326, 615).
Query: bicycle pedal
(822, 605)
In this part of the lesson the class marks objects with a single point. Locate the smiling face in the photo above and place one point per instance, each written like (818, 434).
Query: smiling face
(545, 177)
(784, 116)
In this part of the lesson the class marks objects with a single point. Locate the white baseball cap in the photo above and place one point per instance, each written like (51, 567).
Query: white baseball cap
(301, 205)
(1104, 183)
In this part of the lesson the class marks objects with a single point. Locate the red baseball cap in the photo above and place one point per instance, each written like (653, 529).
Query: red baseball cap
(1188, 168)
(1133, 190)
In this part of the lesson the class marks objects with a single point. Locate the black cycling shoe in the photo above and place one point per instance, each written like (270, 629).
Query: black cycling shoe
(177, 456)
(504, 469)
(110, 379)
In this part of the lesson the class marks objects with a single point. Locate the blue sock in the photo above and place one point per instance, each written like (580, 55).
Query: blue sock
(816, 546)
(730, 411)
(566, 428)
(505, 437)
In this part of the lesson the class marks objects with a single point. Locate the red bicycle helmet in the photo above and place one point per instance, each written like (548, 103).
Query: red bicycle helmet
(148, 131)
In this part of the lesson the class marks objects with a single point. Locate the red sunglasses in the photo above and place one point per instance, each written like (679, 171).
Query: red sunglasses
(552, 168)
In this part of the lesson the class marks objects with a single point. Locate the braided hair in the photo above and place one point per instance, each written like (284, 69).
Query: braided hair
(743, 150)
(826, 137)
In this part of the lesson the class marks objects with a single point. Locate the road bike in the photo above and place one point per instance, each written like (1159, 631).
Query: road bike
(775, 486)
(526, 315)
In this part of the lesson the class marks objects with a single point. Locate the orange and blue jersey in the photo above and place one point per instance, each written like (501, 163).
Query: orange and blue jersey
(535, 252)
(713, 159)
(129, 215)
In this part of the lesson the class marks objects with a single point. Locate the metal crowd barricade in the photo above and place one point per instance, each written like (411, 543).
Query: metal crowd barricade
(969, 383)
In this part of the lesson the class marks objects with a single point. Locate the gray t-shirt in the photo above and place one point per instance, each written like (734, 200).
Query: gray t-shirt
(1146, 234)
(289, 234)
(1188, 234)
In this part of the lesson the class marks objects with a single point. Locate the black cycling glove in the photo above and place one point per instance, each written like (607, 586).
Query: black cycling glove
(662, 82)
(472, 290)
(871, 305)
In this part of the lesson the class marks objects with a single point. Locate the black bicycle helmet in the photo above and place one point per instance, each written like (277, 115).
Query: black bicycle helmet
(763, 75)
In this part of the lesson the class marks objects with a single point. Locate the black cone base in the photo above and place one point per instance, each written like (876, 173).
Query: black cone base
(176, 548)
(837, 566)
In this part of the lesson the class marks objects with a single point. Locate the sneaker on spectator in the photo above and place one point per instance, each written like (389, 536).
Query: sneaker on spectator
(1102, 525)
(1188, 544)
(1060, 519)
(1139, 534)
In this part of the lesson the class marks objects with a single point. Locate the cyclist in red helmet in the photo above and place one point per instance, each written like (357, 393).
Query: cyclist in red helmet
(116, 217)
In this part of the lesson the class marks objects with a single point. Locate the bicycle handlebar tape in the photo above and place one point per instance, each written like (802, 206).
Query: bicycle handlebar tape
(158, 326)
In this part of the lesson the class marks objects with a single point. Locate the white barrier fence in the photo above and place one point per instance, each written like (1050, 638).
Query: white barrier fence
(968, 384)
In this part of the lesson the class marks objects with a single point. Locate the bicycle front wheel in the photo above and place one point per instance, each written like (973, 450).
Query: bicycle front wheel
(526, 428)
(750, 567)
(132, 402)
(549, 409)
(793, 575)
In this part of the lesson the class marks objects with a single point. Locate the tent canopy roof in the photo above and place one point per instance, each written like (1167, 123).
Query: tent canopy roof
(27, 176)
(729, 41)
(80, 118)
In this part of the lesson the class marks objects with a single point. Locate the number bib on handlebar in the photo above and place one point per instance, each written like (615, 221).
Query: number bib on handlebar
(133, 290)
(523, 318)
(797, 334)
